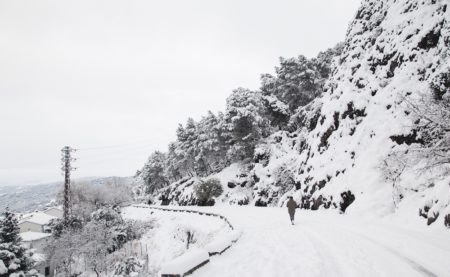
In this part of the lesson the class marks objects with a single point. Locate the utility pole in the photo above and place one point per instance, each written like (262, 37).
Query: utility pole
(66, 160)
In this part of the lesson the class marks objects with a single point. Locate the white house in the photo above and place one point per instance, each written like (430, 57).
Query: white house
(34, 240)
(42, 265)
(35, 222)
(54, 211)
(35, 233)
(37, 242)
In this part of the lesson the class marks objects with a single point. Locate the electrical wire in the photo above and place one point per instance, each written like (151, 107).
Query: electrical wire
(114, 146)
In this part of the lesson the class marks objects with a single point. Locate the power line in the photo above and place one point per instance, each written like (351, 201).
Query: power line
(115, 151)
(116, 146)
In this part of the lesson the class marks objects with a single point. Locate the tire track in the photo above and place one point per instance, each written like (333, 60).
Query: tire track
(422, 270)
(331, 268)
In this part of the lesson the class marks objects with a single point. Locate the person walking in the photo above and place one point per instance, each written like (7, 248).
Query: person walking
(291, 205)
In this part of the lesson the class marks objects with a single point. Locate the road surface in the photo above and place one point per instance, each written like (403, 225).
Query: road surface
(326, 244)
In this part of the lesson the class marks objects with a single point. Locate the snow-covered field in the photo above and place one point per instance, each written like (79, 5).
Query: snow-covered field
(321, 243)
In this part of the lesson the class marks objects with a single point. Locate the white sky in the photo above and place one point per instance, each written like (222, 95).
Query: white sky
(91, 73)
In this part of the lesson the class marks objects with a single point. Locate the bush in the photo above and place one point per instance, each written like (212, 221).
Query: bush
(130, 267)
(440, 85)
(206, 190)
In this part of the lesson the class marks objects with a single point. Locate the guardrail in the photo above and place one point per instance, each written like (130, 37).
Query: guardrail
(188, 211)
(192, 260)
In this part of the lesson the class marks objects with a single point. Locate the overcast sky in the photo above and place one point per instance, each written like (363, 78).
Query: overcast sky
(124, 73)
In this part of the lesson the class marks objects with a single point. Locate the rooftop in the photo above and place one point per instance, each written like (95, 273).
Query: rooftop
(31, 236)
(38, 218)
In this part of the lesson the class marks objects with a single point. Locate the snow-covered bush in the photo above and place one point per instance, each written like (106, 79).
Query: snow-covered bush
(130, 267)
(207, 190)
(58, 226)
(188, 234)
(440, 84)
(105, 233)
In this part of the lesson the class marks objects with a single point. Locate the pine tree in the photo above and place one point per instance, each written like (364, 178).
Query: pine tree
(246, 121)
(13, 256)
(153, 172)
(10, 228)
(299, 80)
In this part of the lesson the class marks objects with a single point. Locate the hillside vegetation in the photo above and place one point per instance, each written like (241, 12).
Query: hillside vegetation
(361, 128)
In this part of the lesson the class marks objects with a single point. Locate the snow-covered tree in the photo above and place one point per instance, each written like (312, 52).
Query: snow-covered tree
(10, 230)
(246, 123)
(14, 258)
(153, 172)
(276, 111)
(428, 144)
(211, 145)
(298, 81)
(171, 169)
(295, 83)
(216, 140)
(433, 125)
(187, 147)
(87, 197)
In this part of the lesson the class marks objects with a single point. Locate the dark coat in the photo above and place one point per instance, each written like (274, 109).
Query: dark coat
(291, 205)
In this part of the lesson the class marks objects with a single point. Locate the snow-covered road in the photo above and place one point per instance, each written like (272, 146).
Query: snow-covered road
(326, 244)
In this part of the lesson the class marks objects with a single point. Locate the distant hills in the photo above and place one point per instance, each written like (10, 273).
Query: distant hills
(28, 198)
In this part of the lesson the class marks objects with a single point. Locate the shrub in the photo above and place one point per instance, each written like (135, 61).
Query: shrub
(130, 267)
(440, 85)
(206, 190)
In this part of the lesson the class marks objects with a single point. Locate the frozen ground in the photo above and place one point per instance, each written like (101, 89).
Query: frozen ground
(327, 244)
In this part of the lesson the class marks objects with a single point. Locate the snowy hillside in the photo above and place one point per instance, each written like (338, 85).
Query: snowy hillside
(341, 149)
(392, 52)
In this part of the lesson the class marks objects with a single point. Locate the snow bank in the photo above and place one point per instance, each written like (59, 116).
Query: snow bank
(185, 264)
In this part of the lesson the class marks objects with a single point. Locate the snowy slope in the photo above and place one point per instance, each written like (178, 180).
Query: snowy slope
(392, 50)
(333, 156)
